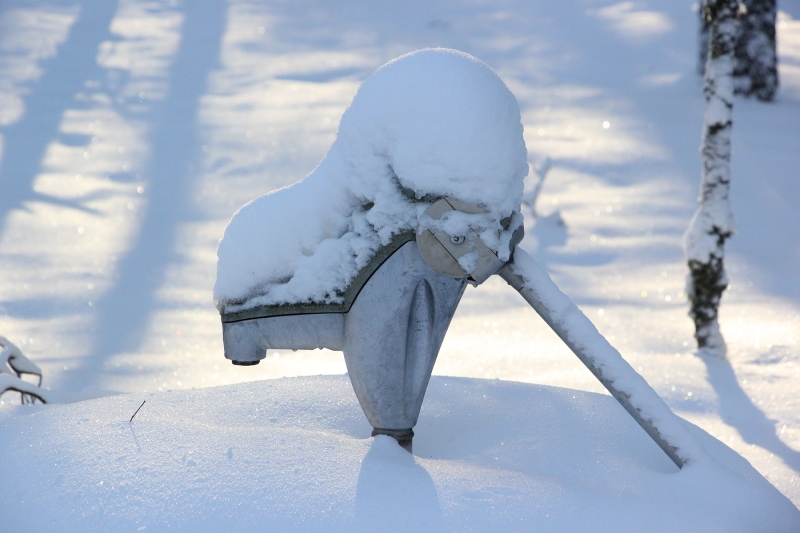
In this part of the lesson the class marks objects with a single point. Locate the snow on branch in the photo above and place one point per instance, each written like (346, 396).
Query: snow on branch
(529, 197)
(12, 366)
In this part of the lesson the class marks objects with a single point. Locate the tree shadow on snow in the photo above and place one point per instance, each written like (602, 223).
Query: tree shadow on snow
(124, 311)
(737, 410)
(64, 75)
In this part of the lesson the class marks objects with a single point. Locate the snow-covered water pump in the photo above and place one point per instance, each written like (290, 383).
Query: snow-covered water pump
(370, 254)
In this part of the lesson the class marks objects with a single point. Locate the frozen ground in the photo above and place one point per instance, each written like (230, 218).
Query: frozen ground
(132, 131)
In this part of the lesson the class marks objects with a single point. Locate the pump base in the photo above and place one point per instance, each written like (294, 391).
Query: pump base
(402, 436)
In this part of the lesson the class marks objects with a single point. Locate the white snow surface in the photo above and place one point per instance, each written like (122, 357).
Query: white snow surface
(431, 123)
(131, 132)
(295, 454)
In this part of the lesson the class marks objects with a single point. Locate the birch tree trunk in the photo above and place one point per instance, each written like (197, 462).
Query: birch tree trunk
(712, 224)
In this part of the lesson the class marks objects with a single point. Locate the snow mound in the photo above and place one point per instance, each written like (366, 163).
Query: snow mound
(295, 455)
(431, 123)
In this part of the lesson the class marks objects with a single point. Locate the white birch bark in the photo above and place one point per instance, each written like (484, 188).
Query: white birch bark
(712, 224)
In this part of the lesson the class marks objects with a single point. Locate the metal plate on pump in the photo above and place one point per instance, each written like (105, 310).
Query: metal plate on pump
(442, 251)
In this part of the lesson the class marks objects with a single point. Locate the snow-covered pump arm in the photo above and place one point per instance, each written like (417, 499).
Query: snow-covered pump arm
(441, 251)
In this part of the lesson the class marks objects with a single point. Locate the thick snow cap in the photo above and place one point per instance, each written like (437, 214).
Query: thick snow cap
(431, 123)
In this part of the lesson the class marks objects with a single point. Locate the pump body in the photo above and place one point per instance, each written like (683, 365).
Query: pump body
(390, 334)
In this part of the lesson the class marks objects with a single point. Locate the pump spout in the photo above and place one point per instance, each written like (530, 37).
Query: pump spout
(246, 341)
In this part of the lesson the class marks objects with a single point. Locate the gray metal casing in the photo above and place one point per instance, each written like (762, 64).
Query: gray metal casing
(390, 336)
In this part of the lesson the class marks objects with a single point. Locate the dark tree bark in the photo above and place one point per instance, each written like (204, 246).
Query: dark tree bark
(756, 65)
(712, 224)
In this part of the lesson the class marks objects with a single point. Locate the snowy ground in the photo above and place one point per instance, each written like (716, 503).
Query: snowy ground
(132, 131)
(295, 455)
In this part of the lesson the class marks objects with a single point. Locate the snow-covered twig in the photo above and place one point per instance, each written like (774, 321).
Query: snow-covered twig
(529, 198)
(12, 365)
